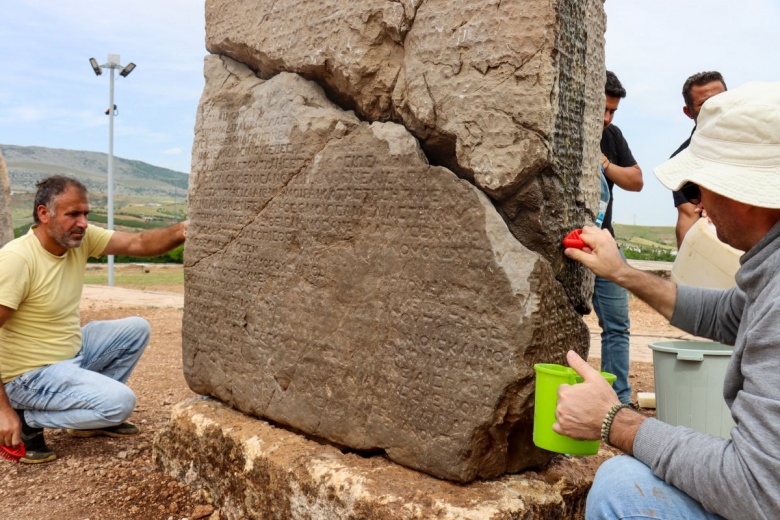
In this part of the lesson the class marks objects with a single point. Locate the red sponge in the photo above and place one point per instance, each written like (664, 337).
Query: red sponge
(12, 454)
(573, 240)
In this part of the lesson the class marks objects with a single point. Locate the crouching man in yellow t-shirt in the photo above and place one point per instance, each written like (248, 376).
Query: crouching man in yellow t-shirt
(55, 373)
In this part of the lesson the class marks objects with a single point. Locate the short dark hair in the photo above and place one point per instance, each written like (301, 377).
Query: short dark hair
(697, 80)
(613, 86)
(49, 188)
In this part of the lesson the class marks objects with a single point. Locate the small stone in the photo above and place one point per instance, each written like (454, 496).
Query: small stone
(202, 511)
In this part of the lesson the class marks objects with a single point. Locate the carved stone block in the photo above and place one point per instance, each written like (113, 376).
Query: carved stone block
(509, 95)
(339, 284)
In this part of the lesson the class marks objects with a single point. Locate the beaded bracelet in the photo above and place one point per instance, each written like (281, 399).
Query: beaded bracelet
(606, 426)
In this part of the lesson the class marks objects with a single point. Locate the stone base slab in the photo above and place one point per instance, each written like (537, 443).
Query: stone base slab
(253, 469)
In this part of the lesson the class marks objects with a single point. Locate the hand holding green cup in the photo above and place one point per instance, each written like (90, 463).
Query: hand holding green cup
(548, 378)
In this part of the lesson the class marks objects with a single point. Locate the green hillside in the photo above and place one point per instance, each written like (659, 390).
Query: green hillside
(647, 242)
(144, 195)
(27, 164)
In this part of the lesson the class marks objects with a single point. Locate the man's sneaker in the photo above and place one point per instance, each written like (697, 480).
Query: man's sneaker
(125, 429)
(34, 444)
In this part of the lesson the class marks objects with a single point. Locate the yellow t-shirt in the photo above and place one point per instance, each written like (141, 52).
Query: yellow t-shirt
(45, 291)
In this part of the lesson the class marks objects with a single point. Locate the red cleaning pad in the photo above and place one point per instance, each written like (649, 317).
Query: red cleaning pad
(13, 454)
(573, 240)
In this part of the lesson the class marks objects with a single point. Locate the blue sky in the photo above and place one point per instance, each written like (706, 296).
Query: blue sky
(653, 46)
(49, 95)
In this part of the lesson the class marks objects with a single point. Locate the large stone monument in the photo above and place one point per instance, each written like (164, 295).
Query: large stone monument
(6, 223)
(377, 200)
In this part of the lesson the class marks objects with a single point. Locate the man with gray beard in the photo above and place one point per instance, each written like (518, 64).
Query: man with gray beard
(55, 373)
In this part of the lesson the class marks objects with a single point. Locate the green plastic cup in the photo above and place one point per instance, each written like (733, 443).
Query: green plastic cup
(548, 378)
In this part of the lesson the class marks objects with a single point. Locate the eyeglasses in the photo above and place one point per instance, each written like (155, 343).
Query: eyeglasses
(691, 193)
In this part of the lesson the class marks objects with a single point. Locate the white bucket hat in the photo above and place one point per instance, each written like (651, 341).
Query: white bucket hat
(735, 150)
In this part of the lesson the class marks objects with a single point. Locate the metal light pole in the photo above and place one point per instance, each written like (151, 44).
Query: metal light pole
(113, 64)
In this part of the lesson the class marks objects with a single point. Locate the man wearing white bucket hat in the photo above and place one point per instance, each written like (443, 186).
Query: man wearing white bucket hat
(731, 168)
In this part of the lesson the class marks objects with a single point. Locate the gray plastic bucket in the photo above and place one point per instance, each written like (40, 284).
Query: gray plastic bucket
(689, 385)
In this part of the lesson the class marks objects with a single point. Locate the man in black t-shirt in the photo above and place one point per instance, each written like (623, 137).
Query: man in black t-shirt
(696, 90)
(610, 301)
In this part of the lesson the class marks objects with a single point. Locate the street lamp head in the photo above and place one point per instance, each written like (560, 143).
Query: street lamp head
(127, 70)
(95, 66)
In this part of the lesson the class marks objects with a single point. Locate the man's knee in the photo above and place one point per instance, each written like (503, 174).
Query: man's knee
(139, 328)
(119, 407)
(616, 483)
(135, 333)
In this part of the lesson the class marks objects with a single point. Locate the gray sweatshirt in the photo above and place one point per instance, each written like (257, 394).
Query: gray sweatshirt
(737, 478)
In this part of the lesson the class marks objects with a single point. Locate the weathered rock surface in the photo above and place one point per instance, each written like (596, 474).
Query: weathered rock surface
(354, 48)
(253, 470)
(506, 94)
(339, 284)
(514, 89)
(6, 222)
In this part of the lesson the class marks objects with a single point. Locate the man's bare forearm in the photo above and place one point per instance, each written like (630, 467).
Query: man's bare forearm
(152, 242)
(4, 401)
(161, 240)
(10, 426)
(658, 293)
(603, 258)
(686, 218)
(629, 178)
(624, 429)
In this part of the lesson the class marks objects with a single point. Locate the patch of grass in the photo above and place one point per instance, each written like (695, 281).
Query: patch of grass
(647, 242)
(660, 237)
(168, 277)
(649, 253)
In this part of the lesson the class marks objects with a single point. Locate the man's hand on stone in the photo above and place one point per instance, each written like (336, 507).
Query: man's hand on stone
(601, 254)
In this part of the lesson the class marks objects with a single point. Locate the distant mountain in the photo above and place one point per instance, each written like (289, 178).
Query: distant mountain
(27, 164)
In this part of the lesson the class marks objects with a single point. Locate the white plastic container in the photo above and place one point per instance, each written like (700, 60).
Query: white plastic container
(705, 261)
(689, 385)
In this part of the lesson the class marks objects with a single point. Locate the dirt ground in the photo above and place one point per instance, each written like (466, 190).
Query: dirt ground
(105, 478)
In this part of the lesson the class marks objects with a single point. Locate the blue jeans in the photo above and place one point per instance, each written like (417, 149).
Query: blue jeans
(626, 488)
(87, 391)
(610, 301)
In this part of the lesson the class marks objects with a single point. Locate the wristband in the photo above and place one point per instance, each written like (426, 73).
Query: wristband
(606, 426)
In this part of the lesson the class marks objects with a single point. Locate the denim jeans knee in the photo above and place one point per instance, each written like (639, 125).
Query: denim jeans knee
(626, 488)
(64, 395)
(87, 391)
(113, 348)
